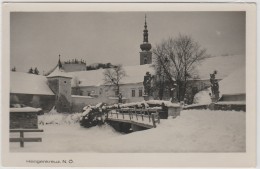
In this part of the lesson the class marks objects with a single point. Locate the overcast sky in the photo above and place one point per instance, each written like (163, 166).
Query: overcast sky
(38, 38)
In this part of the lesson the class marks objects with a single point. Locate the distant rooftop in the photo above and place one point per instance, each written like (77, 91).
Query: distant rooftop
(59, 73)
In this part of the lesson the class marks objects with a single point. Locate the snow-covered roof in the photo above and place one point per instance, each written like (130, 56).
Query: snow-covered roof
(167, 103)
(86, 97)
(59, 73)
(231, 102)
(224, 65)
(25, 83)
(25, 109)
(134, 74)
(235, 83)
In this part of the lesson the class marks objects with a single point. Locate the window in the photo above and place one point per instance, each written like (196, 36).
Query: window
(140, 92)
(145, 61)
(133, 92)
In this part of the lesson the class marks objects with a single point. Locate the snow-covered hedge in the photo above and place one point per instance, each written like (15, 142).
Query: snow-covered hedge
(59, 118)
(146, 104)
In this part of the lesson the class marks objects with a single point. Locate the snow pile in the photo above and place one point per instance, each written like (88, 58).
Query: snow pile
(202, 97)
(59, 118)
(86, 111)
(25, 83)
(193, 131)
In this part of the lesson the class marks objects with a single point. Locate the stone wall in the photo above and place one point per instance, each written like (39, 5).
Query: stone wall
(24, 120)
(233, 97)
(45, 102)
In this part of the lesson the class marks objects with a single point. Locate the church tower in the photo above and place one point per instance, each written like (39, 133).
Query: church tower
(145, 54)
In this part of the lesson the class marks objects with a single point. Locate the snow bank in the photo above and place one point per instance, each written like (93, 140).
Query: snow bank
(25, 83)
(66, 138)
(59, 118)
(193, 131)
(202, 97)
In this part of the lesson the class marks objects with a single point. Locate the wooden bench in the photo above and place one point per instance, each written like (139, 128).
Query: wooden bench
(21, 139)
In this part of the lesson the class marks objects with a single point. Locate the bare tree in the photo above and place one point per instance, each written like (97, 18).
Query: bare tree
(176, 59)
(113, 77)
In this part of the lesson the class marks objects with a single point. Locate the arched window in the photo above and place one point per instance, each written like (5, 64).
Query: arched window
(145, 61)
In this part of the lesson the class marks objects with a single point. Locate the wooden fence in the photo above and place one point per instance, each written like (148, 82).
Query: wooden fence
(22, 139)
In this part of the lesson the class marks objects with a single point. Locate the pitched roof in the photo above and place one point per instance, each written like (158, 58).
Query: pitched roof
(134, 74)
(59, 73)
(25, 83)
(235, 83)
(224, 65)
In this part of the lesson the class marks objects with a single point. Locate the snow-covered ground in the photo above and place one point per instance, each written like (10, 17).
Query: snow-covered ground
(192, 131)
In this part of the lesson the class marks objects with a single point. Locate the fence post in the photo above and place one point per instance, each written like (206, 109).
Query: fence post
(21, 137)
(158, 117)
(154, 125)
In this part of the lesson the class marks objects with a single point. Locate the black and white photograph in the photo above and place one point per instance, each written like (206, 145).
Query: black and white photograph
(128, 82)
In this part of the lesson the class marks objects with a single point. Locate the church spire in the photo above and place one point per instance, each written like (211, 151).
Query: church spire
(145, 34)
(146, 46)
(59, 63)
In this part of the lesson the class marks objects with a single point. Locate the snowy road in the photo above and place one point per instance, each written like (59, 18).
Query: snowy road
(192, 131)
